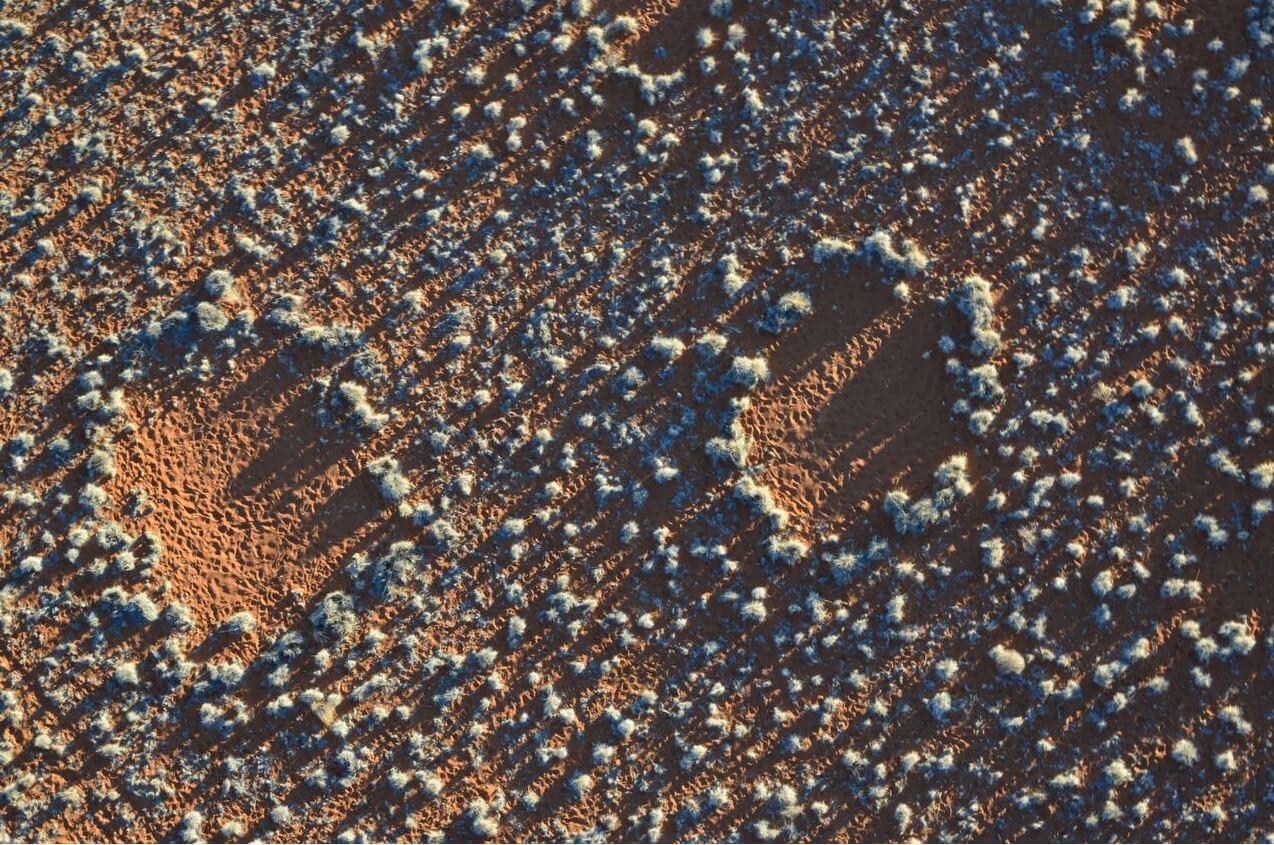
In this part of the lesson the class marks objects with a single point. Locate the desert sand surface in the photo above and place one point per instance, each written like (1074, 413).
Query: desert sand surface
(648, 420)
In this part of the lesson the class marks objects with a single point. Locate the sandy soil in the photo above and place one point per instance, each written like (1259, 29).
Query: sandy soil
(636, 421)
